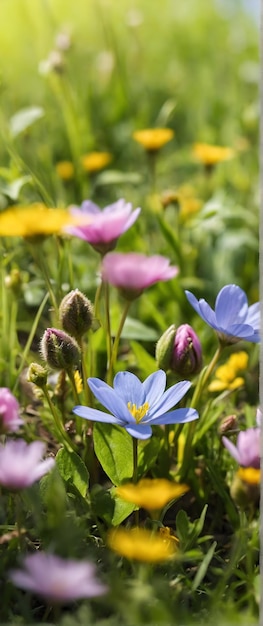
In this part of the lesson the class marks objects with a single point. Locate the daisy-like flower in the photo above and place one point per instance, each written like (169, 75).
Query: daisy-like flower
(103, 227)
(137, 406)
(151, 493)
(152, 139)
(140, 544)
(247, 449)
(133, 272)
(58, 580)
(226, 375)
(95, 161)
(232, 318)
(10, 420)
(210, 155)
(21, 464)
(34, 220)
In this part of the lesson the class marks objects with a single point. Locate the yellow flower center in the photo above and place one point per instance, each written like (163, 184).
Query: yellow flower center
(138, 412)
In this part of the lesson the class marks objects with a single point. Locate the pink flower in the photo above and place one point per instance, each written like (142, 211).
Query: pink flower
(187, 351)
(133, 272)
(58, 580)
(9, 411)
(247, 449)
(21, 464)
(102, 228)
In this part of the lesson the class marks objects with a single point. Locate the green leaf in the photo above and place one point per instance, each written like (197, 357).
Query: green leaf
(122, 509)
(24, 118)
(170, 237)
(134, 329)
(182, 526)
(146, 362)
(115, 177)
(147, 454)
(109, 507)
(12, 190)
(201, 572)
(114, 450)
(73, 470)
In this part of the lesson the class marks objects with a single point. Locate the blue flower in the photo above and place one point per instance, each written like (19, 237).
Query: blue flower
(232, 318)
(136, 405)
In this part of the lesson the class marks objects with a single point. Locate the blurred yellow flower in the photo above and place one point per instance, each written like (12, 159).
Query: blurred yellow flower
(249, 475)
(140, 544)
(185, 198)
(226, 375)
(95, 161)
(152, 139)
(151, 493)
(65, 170)
(34, 220)
(211, 155)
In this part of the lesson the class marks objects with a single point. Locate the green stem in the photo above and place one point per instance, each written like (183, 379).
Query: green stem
(40, 261)
(204, 377)
(107, 323)
(62, 435)
(115, 347)
(85, 375)
(97, 300)
(135, 472)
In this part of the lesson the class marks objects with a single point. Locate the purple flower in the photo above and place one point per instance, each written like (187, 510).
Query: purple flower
(58, 580)
(232, 318)
(21, 464)
(103, 227)
(137, 406)
(247, 449)
(133, 272)
(187, 351)
(10, 420)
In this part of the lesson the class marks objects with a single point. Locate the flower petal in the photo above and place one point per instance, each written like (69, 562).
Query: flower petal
(110, 399)
(232, 449)
(170, 398)
(231, 306)
(139, 431)
(207, 313)
(178, 416)
(95, 415)
(154, 387)
(128, 387)
(253, 316)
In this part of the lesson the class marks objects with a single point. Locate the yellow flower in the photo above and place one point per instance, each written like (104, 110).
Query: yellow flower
(249, 475)
(226, 375)
(152, 139)
(65, 170)
(151, 493)
(33, 221)
(211, 155)
(95, 161)
(140, 544)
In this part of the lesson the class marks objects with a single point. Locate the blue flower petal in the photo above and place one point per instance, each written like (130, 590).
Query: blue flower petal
(111, 400)
(231, 306)
(94, 415)
(129, 388)
(139, 431)
(193, 301)
(253, 316)
(154, 387)
(170, 398)
(207, 313)
(178, 416)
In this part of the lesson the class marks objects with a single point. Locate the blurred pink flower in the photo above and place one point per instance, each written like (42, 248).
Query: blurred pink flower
(21, 464)
(102, 228)
(247, 449)
(133, 272)
(10, 420)
(58, 580)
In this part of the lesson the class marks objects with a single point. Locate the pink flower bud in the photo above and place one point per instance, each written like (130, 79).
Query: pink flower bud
(187, 352)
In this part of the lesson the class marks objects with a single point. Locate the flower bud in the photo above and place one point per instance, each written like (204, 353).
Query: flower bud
(165, 347)
(76, 313)
(228, 424)
(59, 350)
(180, 350)
(37, 374)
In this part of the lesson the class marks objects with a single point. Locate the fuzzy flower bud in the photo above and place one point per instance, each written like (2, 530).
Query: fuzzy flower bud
(76, 313)
(179, 350)
(59, 350)
(37, 374)
(228, 424)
